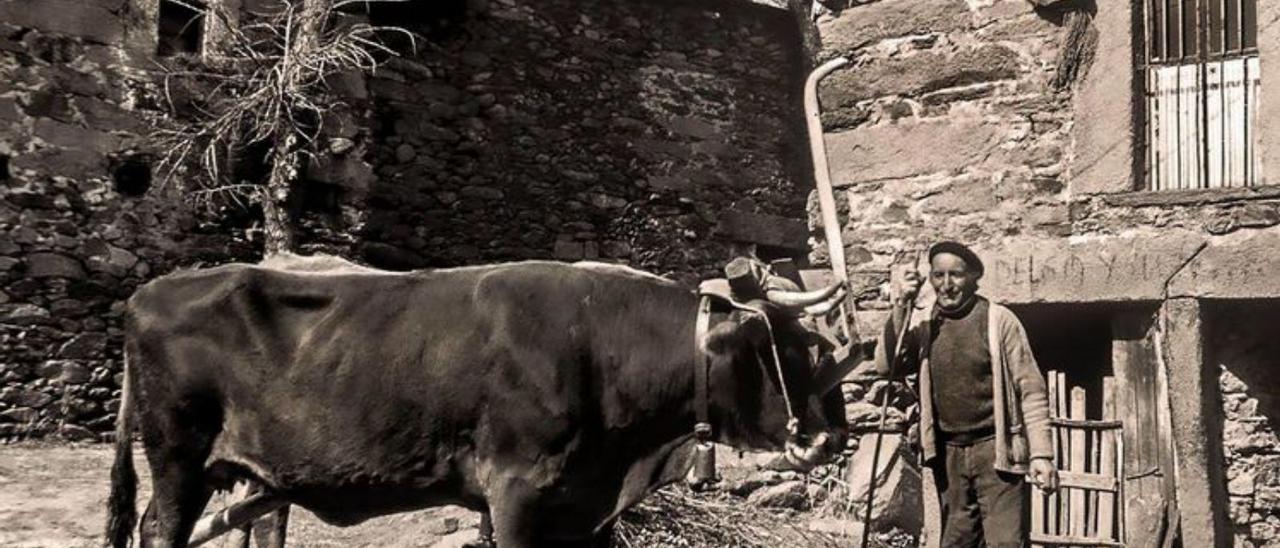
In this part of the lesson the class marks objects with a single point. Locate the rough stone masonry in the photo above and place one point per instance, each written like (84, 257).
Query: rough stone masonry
(660, 134)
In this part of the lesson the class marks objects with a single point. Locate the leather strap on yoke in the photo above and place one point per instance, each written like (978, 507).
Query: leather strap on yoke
(702, 372)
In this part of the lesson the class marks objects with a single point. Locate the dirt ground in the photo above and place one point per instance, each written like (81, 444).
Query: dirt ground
(55, 496)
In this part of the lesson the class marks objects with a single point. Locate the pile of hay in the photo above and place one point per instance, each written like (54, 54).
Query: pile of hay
(678, 517)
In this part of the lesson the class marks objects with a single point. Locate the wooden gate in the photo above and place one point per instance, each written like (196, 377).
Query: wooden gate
(1088, 508)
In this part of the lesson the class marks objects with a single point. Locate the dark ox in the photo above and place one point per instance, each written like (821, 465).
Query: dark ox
(551, 395)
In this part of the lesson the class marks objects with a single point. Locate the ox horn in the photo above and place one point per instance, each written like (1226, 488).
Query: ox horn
(801, 299)
(824, 307)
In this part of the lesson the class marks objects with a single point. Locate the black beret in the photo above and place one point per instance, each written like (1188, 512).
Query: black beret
(960, 250)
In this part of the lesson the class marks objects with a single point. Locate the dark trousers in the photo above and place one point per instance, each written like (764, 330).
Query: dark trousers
(978, 503)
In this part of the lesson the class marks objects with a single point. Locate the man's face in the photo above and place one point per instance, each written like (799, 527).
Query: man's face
(952, 280)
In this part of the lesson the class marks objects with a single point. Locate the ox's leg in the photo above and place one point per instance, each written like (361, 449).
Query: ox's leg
(177, 443)
(513, 514)
(180, 494)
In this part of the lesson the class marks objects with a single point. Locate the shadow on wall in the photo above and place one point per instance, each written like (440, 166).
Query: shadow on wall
(578, 130)
(1244, 352)
(1244, 340)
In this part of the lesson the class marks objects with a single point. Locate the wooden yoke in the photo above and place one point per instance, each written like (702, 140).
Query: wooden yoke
(843, 327)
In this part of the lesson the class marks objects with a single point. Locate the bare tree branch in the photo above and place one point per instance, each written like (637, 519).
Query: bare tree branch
(268, 87)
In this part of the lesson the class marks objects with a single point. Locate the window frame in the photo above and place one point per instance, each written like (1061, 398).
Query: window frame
(1205, 50)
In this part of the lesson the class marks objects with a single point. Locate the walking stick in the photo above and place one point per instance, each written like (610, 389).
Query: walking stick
(884, 411)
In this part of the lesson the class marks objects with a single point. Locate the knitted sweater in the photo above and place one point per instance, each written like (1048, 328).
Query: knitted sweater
(1020, 400)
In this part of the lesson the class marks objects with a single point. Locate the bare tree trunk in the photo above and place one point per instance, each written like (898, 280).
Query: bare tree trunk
(276, 227)
(285, 157)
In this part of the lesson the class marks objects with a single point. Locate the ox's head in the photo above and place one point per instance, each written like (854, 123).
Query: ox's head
(765, 378)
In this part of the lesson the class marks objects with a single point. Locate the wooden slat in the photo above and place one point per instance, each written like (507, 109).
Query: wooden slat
(1213, 140)
(1051, 502)
(1091, 494)
(1088, 481)
(1077, 463)
(1169, 126)
(1253, 83)
(1070, 540)
(1122, 502)
(1107, 501)
(1087, 424)
(1234, 144)
(1064, 501)
(1155, 138)
(1190, 103)
(1178, 114)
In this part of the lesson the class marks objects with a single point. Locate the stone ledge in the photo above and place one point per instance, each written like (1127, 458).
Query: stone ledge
(1238, 266)
(1142, 198)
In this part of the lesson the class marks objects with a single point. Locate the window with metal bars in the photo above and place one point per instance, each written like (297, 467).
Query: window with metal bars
(1202, 86)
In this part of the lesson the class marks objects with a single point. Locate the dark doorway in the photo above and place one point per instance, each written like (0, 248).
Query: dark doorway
(180, 29)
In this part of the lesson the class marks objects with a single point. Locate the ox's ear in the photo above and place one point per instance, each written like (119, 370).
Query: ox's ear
(744, 329)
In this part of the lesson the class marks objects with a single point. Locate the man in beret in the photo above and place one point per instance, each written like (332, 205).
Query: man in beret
(984, 411)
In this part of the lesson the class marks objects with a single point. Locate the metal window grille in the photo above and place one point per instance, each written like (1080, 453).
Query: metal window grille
(1202, 85)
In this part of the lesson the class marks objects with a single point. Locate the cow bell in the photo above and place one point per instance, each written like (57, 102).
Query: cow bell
(704, 464)
(704, 457)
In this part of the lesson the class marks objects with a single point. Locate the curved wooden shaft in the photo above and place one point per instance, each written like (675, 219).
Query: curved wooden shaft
(234, 516)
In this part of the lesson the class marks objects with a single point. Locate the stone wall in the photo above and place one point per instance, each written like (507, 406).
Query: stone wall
(945, 124)
(77, 235)
(651, 133)
(1244, 352)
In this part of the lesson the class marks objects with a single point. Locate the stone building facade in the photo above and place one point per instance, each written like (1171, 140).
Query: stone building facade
(1020, 127)
(663, 134)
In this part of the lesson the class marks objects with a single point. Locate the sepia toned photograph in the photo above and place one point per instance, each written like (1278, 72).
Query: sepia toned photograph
(639, 274)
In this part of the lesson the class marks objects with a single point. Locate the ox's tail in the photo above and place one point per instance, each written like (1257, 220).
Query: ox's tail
(122, 510)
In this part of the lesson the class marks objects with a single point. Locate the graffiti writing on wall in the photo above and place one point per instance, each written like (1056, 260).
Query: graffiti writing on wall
(1060, 272)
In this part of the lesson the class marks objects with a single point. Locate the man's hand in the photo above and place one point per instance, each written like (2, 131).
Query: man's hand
(1043, 474)
(908, 284)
